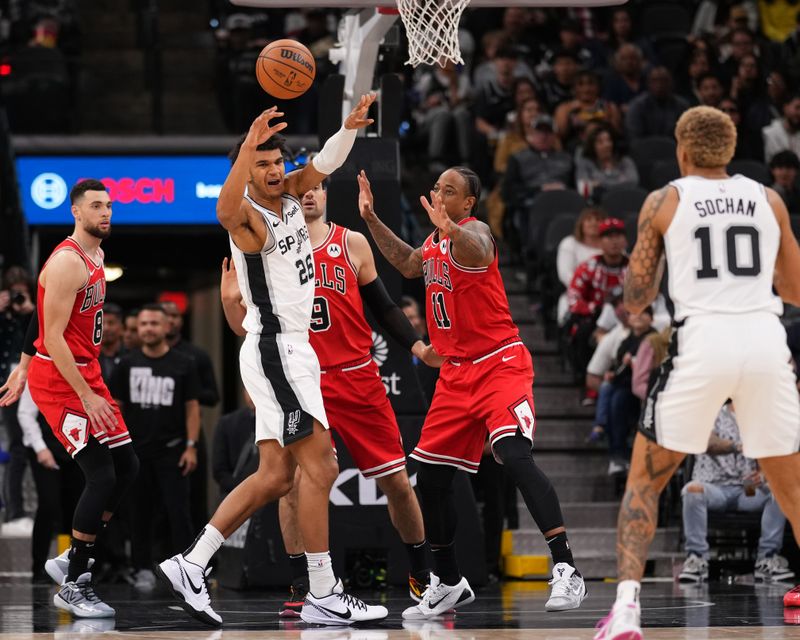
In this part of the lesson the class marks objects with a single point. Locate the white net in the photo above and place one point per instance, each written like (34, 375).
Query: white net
(432, 30)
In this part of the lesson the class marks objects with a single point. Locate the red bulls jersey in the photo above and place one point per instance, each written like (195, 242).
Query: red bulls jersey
(466, 307)
(84, 331)
(339, 332)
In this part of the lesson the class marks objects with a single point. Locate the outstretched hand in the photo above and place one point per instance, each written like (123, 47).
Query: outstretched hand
(358, 116)
(437, 213)
(365, 199)
(261, 130)
(14, 386)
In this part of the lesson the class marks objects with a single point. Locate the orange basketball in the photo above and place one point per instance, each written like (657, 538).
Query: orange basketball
(285, 69)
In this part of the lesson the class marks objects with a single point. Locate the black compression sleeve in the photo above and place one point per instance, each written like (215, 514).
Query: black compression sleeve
(31, 334)
(388, 314)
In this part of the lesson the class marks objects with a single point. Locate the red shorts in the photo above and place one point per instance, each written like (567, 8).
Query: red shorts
(63, 410)
(359, 411)
(492, 394)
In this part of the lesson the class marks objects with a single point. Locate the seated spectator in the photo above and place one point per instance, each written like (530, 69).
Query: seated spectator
(784, 167)
(493, 99)
(584, 243)
(784, 133)
(524, 90)
(233, 440)
(602, 165)
(511, 142)
(621, 34)
(571, 117)
(556, 86)
(538, 167)
(708, 91)
(655, 112)
(650, 355)
(626, 81)
(617, 406)
(749, 143)
(444, 93)
(570, 40)
(742, 43)
(696, 64)
(491, 43)
(749, 89)
(790, 54)
(724, 480)
(592, 283)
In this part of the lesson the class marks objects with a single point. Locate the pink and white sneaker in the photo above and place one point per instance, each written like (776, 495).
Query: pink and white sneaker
(622, 623)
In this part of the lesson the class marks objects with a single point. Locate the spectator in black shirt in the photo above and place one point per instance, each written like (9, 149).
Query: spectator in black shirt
(112, 348)
(708, 92)
(235, 432)
(784, 167)
(493, 97)
(655, 113)
(749, 143)
(157, 389)
(557, 86)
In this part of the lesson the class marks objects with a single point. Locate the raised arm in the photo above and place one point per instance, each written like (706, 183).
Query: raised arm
(233, 214)
(334, 152)
(64, 276)
(232, 304)
(646, 264)
(787, 265)
(401, 255)
(472, 243)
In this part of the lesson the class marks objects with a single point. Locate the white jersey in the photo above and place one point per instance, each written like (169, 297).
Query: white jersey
(277, 283)
(721, 248)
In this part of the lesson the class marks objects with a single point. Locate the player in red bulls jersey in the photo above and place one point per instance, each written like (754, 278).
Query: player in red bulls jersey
(485, 385)
(63, 374)
(352, 391)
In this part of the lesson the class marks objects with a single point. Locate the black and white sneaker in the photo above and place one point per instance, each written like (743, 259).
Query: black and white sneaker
(189, 584)
(80, 599)
(774, 568)
(339, 608)
(58, 567)
(695, 569)
(440, 598)
(568, 590)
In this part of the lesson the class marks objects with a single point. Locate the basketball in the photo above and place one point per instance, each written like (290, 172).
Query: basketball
(285, 69)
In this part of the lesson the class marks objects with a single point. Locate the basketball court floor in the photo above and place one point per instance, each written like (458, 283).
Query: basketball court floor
(511, 611)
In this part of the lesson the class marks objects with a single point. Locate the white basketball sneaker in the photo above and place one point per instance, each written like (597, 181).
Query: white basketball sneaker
(622, 623)
(80, 599)
(439, 598)
(189, 584)
(58, 567)
(339, 608)
(568, 590)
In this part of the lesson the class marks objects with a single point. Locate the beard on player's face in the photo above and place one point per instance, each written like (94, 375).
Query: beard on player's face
(97, 231)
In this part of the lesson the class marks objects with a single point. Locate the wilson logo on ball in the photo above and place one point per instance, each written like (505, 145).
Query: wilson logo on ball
(298, 58)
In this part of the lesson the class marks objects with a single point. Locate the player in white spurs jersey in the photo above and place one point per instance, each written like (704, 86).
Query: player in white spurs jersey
(259, 207)
(727, 241)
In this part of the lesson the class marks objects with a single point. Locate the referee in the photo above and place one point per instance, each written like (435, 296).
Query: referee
(157, 389)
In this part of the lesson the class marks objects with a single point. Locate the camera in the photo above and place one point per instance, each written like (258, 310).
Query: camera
(18, 298)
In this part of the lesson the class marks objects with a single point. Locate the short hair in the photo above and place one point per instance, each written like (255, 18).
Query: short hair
(473, 183)
(785, 160)
(275, 141)
(80, 188)
(709, 74)
(133, 313)
(588, 212)
(591, 139)
(708, 135)
(152, 306)
(112, 309)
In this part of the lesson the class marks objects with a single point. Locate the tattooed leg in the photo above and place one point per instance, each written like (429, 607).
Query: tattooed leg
(651, 468)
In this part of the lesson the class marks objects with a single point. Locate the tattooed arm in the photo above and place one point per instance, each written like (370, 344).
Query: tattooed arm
(472, 243)
(403, 256)
(646, 264)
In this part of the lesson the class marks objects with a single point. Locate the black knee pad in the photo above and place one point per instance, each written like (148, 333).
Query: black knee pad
(126, 467)
(535, 487)
(98, 469)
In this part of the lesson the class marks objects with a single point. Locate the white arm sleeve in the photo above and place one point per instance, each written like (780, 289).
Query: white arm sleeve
(27, 412)
(335, 151)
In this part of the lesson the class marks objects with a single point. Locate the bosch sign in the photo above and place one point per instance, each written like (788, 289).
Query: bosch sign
(144, 189)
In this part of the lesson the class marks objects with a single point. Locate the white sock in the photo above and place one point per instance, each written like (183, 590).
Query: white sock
(628, 591)
(321, 580)
(204, 546)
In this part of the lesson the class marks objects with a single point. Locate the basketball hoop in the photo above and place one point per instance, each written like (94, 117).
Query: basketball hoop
(432, 30)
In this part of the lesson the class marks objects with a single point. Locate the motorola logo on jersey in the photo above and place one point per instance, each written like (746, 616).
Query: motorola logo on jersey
(141, 190)
(48, 190)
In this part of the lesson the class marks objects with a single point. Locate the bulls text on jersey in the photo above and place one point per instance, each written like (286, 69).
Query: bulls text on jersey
(94, 295)
(435, 271)
(338, 281)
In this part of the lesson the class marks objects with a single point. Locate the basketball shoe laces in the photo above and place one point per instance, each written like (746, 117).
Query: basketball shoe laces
(562, 587)
(86, 589)
(352, 601)
(434, 593)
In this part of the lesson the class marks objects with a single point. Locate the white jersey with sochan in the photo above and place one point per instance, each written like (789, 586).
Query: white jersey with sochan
(721, 248)
(277, 283)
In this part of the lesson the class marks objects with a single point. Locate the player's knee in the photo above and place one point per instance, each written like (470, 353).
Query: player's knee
(395, 486)
(514, 452)
(126, 465)
(693, 487)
